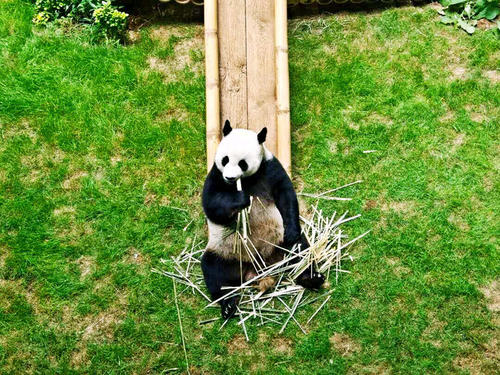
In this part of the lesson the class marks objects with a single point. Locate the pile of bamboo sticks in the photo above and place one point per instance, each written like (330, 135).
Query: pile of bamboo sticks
(329, 246)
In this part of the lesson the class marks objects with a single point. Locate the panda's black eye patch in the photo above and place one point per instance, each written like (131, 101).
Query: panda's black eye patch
(225, 160)
(243, 165)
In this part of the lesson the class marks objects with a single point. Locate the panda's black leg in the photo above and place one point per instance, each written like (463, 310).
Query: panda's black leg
(310, 278)
(219, 272)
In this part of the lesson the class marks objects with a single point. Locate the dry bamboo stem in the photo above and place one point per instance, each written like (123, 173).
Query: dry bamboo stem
(212, 80)
(243, 214)
(326, 239)
(319, 308)
(282, 86)
(180, 325)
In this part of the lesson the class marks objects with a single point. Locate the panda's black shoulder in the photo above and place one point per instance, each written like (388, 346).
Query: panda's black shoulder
(270, 175)
(215, 182)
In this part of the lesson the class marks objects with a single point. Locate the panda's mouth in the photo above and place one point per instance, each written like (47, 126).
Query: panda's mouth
(230, 180)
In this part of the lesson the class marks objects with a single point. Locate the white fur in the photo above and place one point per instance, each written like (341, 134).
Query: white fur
(265, 224)
(240, 144)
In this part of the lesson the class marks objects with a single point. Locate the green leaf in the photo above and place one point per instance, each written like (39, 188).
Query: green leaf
(447, 3)
(448, 20)
(489, 11)
(469, 28)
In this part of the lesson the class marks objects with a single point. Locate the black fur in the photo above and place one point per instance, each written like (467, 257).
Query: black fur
(227, 128)
(220, 272)
(222, 202)
(261, 137)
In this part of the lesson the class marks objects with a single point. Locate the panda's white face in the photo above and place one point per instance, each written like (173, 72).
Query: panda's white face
(240, 153)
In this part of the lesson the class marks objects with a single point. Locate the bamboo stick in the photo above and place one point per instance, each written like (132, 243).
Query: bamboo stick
(180, 325)
(282, 86)
(212, 80)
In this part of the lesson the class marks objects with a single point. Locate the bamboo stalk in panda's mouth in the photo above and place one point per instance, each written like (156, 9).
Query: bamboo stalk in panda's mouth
(244, 214)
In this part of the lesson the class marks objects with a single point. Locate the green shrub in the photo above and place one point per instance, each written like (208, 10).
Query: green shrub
(104, 16)
(109, 21)
(466, 13)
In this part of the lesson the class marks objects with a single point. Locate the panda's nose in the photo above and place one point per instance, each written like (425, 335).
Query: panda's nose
(231, 179)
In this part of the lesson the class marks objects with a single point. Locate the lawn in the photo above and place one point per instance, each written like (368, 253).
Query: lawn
(102, 159)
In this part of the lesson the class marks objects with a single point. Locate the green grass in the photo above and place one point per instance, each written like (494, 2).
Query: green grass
(102, 163)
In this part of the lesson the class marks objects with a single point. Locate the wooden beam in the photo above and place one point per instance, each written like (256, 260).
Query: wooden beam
(233, 62)
(261, 68)
(284, 153)
(212, 80)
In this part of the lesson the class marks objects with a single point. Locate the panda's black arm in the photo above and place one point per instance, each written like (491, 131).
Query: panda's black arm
(222, 202)
(286, 201)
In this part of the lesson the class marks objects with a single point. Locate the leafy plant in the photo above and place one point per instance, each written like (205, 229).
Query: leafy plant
(466, 13)
(104, 16)
(109, 21)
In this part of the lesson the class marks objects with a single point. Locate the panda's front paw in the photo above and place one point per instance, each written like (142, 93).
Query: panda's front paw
(228, 307)
(311, 280)
(244, 200)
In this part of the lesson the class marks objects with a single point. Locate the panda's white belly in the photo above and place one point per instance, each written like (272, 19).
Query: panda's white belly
(266, 230)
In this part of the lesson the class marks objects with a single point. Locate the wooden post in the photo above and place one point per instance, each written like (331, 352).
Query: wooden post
(284, 153)
(212, 80)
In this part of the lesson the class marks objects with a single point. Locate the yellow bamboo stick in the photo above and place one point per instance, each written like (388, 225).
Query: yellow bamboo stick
(212, 80)
(282, 86)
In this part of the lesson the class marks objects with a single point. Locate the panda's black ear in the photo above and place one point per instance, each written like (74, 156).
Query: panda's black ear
(227, 128)
(261, 137)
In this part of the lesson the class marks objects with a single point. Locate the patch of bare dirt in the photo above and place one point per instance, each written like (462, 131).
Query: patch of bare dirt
(492, 75)
(330, 49)
(115, 160)
(397, 267)
(238, 345)
(64, 210)
(4, 253)
(404, 207)
(134, 36)
(182, 57)
(448, 116)
(79, 356)
(282, 345)
(457, 142)
(344, 344)
(378, 118)
(332, 146)
(484, 24)
(435, 6)
(175, 112)
(86, 265)
(101, 326)
(73, 232)
(21, 128)
(488, 182)
(149, 199)
(492, 293)
(458, 73)
(378, 369)
(434, 330)
(483, 361)
(262, 337)
(478, 117)
(370, 204)
(94, 327)
(459, 221)
(73, 181)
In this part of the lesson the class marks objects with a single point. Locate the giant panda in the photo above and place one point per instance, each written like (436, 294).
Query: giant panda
(274, 217)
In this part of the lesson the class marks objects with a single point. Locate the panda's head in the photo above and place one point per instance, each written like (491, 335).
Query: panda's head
(240, 152)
